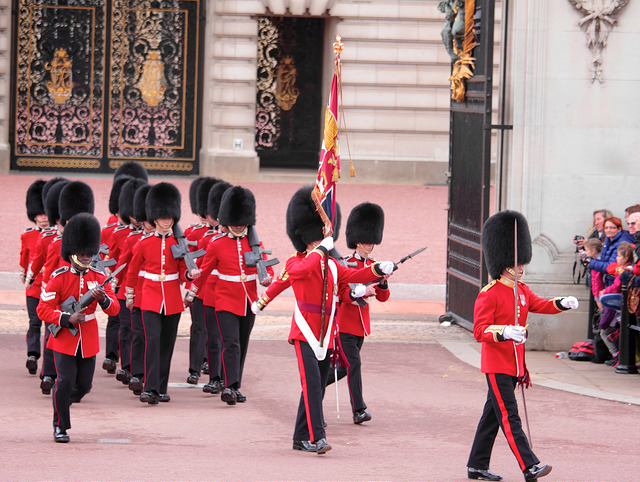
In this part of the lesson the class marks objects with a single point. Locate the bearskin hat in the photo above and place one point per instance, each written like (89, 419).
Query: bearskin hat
(132, 169)
(75, 197)
(202, 195)
(163, 201)
(125, 201)
(237, 207)
(304, 224)
(51, 206)
(215, 196)
(114, 196)
(80, 235)
(365, 224)
(48, 185)
(140, 202)
(193, 194)
(35, 206)
(498, 241)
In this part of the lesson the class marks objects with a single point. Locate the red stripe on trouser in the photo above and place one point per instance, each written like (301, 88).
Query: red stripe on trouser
(303, 381)
(506, 426)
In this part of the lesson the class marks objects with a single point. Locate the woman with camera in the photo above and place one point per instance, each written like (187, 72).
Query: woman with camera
(614, 236)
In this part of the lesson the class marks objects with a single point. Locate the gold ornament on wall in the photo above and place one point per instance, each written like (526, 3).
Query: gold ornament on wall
(286, 91)
(60, 84)
(151, 83)
(463, 67)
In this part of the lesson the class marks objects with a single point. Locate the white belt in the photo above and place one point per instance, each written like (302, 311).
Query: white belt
(237, 279)
(161, 277)
(92, 316)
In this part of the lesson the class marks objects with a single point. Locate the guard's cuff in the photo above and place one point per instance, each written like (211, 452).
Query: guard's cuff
(263, 301)
(64, 320)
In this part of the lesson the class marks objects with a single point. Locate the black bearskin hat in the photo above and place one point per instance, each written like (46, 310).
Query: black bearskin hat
(75, 197)
(114, 196)
(193, 194)
(163, 201)
(498, 241)
(125, 201)
(215, 196)
(202, 195)
(140, 203)
(35, 206)
(237, 207)
(304, 224)
(53, 196)
(80, 235)
(365, 224)
(132, 169)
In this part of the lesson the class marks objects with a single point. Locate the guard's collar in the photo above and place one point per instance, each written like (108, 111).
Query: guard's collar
(164, 236)
(77, 271)
(506, 281)
(360, 257)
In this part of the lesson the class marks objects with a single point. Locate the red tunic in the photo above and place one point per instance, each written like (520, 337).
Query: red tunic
(54, 261)
(107, 232)
(352, 318)
(236, 285)
(39, 256)
(493, 309)
(66, 282)
(125, 257)
(116, 245)
(208, 293)
(28, 243)
(162, 274)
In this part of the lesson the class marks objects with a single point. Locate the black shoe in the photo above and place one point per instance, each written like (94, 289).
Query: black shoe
(192, 379)
(240, 397)
(229, 396)
(304, 445)
(322, 446)
(205, 368)
(164, 397)
(135, 385)
(482, 474)
(60, 435)
(109, 365)
(361, 416)
(46, 385)
(32, 364)
(123, 376)
(213, 386)
(149, 397)
(536, 471)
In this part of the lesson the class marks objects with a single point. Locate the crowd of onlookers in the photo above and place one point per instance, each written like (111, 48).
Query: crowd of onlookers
(609, 254)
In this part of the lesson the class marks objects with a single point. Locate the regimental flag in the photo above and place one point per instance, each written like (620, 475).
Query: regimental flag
(324, 191)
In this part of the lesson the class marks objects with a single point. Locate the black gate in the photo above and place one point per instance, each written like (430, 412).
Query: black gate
(289, 91)
(469, 167)
(100, 82)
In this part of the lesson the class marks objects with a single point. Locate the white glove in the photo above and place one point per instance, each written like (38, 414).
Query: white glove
(327, 243)
(515, 333)
(254, 308)
(570, 302)
(359, 291)
(387, 267)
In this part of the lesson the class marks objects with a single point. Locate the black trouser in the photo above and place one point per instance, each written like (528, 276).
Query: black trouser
(160, 338)
(137, 343)
(235, 331)
(500, 411)
(197, 339)
(351, 346)
(75, 375)
(48, 364)
(313, 376)
(126, 335)
(35, 325)
(112, 335)
(214, 343)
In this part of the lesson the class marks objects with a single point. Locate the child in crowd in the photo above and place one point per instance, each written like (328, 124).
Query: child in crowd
(592, 249)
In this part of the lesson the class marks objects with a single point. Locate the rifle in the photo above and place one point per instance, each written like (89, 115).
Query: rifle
(100, 264)
(361, 301)
(181, 250)
(70, 305)
(254, 257)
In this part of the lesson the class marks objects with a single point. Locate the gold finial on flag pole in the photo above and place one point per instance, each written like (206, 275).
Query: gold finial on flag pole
(338, 46)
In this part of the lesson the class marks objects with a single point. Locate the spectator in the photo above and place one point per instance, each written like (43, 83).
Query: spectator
(614, 236)
(592, 250)
(630, 210)
(597, 228)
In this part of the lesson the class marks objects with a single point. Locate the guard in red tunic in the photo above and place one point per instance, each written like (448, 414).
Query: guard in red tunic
(161, 296)
(304, 271)
(503, 334)
(75, 352)
(28, 241)
(365, 226)
(236, 286)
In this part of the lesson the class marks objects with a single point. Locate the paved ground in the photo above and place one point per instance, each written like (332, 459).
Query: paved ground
(421, 382)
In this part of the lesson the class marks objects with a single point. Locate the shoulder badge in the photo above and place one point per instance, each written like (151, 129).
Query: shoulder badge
(59, 271)
(107, 226)
(148, 235)
(121, 227)
(28, 230)
(49, 233)
(57, 238)
(488, 286)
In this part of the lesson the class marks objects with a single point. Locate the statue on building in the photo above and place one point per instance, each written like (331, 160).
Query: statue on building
(453, 29)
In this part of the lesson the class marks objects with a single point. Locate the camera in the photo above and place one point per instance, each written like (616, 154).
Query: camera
(578, 237)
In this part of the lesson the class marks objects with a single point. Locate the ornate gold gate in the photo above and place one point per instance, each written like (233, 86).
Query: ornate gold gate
(101, 82)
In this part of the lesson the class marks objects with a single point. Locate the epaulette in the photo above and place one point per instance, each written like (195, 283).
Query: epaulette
(95, 270)
(107, 226)
(121, 227)
(148, 235)
(211, 232)
(49, 233)
(59, 271)
(57, 238)
(486, 288)
(28, 230)
(218, 236)
(133, 232)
